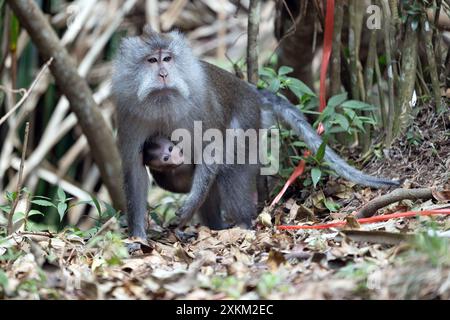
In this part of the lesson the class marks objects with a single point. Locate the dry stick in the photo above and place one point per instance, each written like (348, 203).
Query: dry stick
(427, 37)
(19, 180)
(103, 147)
(397, 195)
(27, 93)
(252, 47)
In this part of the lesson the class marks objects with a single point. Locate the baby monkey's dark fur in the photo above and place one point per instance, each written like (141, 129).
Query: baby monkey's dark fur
(160, 86)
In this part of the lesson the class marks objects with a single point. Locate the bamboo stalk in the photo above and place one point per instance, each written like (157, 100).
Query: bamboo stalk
(390, 72)
(252, 47)
(335, 71)
(427, 36)
(408, 75)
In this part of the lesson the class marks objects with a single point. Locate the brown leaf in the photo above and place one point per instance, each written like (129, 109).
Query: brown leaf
(275, 259)
(443, 195)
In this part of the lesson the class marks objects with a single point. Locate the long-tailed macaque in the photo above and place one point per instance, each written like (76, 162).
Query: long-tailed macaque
(160, 86)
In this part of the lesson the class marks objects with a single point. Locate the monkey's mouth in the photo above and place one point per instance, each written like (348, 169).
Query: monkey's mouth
(163, 91)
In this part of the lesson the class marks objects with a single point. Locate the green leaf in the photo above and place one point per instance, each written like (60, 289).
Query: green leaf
(267, 72)
(274, 85)
(5, 208)
(97, 206)
(337, 100)
(321, 151)
(299, 88)
(357, 122)
(331, 205)
(43, 203)
(14, 33)
(18, 216)
(11, 196)
(61, 195)
(299, 144)
(3, 279)
(316, 173)
(284, 70)
(342, 121)
(35, 213)
(358, 105)
(110, 210)
(350, 114)
(62, 207)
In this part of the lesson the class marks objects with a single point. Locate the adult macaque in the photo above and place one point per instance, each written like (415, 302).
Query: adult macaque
(160, 86)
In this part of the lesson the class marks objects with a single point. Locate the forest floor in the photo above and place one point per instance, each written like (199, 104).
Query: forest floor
(406, 258)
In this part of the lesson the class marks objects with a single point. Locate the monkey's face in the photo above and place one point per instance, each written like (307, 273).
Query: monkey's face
(160, 76)
(156, 66)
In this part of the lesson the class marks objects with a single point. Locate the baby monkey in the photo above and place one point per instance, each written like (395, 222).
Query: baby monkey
(166, 163)
(161, 154)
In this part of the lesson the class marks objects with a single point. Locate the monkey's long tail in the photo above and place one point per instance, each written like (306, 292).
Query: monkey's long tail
(297, 121)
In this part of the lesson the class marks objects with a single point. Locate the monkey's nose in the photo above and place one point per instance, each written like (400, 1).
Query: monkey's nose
(163, 73)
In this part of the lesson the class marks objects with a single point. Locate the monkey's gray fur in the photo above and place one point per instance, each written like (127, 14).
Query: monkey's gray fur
(160, 86)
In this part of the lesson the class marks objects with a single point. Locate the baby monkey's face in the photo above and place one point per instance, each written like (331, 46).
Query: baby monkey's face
(161, 154)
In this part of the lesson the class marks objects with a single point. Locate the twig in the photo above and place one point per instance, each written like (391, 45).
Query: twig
(27, 92)
(19, 180)
(397, 195)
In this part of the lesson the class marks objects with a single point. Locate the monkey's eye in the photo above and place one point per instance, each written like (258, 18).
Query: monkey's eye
(167, 59)
(170, 149)
(166, 158)
(152, 60)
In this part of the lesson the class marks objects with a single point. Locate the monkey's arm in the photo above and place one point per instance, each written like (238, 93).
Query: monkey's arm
(203, 180)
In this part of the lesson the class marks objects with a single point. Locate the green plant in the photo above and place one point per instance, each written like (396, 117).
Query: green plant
(231, 286)
(437, 248)
(340, 116)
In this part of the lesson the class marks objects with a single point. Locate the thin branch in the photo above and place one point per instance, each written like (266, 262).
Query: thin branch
(27, 92)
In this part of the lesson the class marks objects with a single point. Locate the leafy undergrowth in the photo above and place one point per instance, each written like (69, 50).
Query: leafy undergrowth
(235, 264)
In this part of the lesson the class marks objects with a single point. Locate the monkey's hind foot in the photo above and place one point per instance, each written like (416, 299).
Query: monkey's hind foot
(184, 236)
(137, 246)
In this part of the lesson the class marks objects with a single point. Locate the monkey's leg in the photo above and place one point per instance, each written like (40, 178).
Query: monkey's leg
(236, 188)
(210, 211)
(135, 176)
(204, 178)
(263, 191)
(136, 187)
